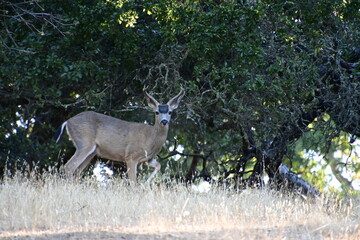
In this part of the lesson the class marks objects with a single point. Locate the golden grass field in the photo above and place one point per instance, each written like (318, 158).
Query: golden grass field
(53, 208)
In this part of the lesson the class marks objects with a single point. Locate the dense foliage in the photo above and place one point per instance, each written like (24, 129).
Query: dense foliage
(269, 83)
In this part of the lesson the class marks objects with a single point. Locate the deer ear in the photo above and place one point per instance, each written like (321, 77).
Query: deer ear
(174, 102)
(150, 99)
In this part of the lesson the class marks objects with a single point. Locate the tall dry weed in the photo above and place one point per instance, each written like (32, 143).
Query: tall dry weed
(51, 203)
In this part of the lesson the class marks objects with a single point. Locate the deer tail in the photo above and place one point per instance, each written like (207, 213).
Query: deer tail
(60, 131)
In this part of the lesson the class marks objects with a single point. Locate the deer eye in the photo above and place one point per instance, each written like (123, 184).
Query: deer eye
(157, 113)
(170, 112)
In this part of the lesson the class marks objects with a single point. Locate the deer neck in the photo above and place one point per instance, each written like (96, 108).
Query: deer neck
(159, 133)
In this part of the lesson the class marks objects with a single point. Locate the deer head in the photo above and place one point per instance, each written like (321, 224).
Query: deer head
(163, 111)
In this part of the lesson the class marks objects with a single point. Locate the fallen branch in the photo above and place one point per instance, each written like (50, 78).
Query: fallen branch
(295, 182)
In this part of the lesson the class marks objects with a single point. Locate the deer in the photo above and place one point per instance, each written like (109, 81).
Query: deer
(114, 139)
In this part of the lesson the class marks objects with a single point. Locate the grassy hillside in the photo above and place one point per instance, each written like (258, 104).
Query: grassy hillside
(53, 208)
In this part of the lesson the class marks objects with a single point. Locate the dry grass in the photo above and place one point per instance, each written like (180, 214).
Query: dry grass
(52, 208)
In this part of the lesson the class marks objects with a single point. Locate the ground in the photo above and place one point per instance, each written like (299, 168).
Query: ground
(291, 232)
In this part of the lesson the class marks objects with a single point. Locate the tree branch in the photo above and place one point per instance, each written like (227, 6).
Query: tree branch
(295, 182)
(18, 13)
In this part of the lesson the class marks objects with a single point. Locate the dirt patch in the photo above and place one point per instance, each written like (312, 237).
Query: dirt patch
(137, 236)
(295, 232)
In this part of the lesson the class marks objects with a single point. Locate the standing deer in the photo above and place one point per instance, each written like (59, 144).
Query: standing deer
(114, 139)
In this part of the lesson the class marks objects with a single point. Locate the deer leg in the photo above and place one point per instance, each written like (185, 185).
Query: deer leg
(85, 163)
(79, 161)
(156, 165)
(132, 165)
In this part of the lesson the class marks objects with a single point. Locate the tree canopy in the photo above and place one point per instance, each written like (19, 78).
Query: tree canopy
(269, 84)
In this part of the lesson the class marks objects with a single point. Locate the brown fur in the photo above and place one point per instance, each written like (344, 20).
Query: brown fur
(118, 140)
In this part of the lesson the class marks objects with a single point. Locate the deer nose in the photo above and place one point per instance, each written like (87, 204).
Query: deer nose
(164, 122)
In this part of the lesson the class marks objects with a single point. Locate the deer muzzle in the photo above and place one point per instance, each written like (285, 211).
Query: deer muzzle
(164, 122)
